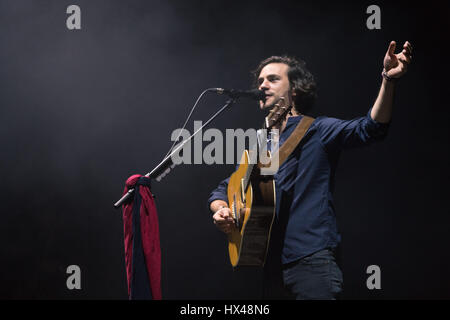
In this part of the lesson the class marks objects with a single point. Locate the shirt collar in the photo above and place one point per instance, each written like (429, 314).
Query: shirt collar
(293, 120)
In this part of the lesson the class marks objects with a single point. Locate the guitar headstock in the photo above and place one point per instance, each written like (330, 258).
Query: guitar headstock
(278, 113)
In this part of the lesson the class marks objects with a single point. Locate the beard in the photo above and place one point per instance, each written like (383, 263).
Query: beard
(269, 102)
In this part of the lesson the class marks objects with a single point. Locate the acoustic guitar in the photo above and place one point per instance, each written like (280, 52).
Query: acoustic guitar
(251, 197)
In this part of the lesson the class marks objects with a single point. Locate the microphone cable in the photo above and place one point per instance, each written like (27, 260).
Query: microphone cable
(188, 117)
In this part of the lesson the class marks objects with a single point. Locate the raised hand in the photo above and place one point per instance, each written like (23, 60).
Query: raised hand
(396, 65)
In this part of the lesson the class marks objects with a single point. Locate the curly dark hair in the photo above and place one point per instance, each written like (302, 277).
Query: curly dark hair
(301, 80)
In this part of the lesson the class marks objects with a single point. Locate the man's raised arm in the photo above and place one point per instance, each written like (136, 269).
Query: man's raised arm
(395, 66)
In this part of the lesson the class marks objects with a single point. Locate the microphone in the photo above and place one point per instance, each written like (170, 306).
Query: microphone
(232, 93)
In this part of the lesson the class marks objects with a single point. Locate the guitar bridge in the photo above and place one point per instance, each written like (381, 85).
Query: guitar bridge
(243, 191)
(236, 214)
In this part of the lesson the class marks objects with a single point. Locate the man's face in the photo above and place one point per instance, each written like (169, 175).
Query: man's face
(273, 80)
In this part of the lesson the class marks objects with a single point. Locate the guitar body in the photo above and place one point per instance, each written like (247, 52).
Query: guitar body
(251, 198)
(253, 208)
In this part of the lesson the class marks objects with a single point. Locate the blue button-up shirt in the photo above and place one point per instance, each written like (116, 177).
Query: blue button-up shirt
(305, 217)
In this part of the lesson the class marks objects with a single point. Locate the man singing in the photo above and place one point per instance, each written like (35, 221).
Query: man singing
(301, 260)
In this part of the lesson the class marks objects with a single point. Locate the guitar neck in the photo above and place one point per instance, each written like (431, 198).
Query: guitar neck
(261, 139)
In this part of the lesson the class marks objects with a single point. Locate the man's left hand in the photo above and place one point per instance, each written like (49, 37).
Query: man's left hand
(396, 65)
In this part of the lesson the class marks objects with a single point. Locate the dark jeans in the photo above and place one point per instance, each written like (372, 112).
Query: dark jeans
(315, 277)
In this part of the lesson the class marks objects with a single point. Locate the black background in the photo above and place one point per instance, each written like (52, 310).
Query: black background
(81, 110)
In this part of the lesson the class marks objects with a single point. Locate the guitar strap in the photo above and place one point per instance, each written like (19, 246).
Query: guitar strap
(294, 139)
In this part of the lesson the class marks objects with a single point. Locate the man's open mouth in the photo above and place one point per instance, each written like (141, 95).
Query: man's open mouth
(267, 96)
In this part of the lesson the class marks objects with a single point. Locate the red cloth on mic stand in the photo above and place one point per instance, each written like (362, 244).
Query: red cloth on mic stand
(149, 232)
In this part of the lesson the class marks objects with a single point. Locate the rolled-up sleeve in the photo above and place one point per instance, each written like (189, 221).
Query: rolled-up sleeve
(220, 193)
(336, 133)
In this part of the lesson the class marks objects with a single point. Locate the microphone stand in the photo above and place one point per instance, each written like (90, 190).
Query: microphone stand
(166, 164)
